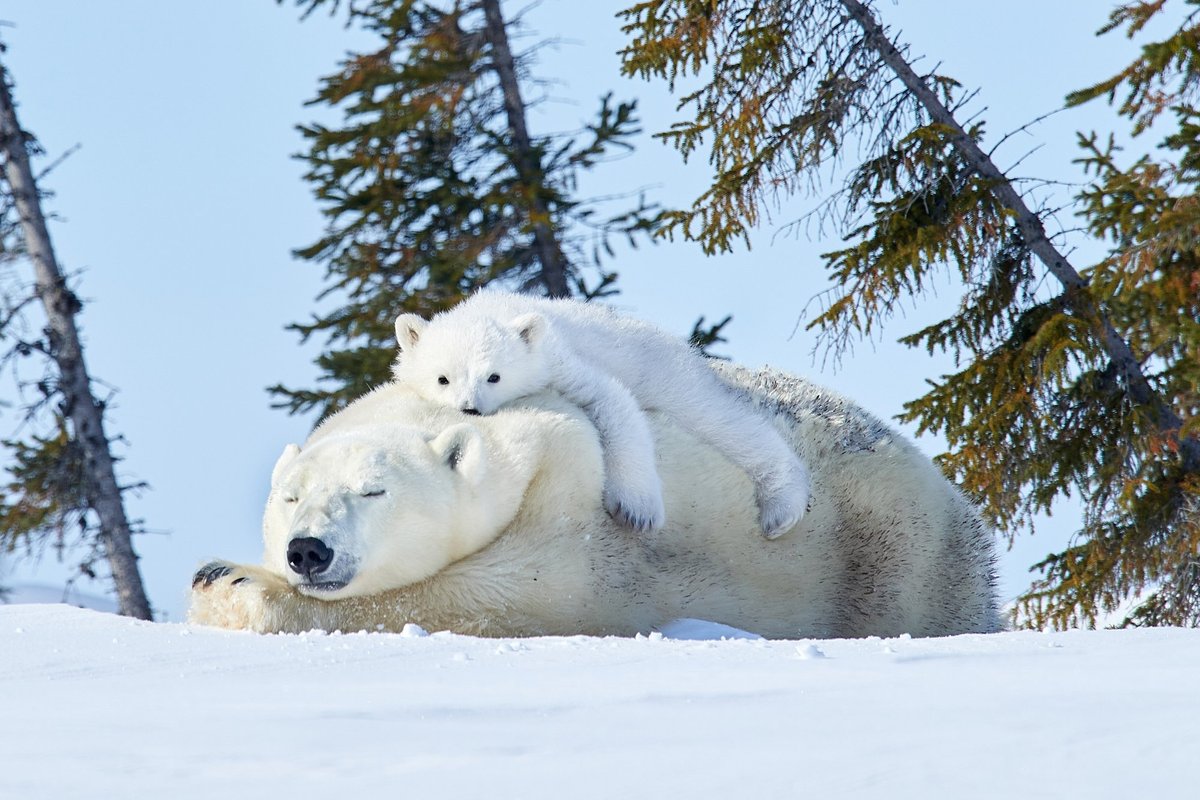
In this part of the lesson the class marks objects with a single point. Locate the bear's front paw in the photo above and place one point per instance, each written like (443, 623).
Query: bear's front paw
(226, 596)
(640, 511)
(213, 571)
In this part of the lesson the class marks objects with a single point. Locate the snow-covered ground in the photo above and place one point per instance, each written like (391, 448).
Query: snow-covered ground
(26, 592)
(98, 706)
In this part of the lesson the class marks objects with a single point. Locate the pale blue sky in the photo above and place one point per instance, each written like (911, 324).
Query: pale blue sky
(183, 204)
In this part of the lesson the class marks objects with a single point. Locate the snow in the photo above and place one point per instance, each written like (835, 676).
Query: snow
(101, 706)
(29, 592)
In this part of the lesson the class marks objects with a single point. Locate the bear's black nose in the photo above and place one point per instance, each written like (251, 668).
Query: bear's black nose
(308, 556)
(474, 412)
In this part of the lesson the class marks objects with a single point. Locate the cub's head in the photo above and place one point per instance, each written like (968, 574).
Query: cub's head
(472, 363)
(377, 508)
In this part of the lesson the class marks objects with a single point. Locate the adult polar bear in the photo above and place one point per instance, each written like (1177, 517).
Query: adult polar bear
(397, 511)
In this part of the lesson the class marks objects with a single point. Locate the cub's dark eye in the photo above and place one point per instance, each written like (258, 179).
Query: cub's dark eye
(443, 380)
(493, 378)
(290, 499)
(375, 493)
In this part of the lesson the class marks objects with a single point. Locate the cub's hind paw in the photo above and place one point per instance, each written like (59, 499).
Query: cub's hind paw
(778, 515)
(775, 522)
(781, 508)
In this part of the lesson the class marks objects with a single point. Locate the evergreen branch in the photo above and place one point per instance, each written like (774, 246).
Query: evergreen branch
(53, 165)
(1034, 235)
(434, 187)
(1023, 129)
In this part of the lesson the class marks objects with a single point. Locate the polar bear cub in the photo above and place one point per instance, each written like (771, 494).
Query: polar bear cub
(498, 346)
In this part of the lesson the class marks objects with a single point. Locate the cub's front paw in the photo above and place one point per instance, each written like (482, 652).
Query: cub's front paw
(639, 511)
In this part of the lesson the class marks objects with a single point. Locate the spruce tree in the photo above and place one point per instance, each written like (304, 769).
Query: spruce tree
(63, 486)
(434, 185)
(1088, 388)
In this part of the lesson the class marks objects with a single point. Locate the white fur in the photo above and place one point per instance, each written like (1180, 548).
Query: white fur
(507, 537)
(496, 347)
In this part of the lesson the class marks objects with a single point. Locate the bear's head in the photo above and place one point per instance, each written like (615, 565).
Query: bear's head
(380, 507)
(472, 363)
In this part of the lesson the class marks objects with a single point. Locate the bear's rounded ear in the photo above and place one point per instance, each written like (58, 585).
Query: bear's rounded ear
(286, 457)
(408, 330)
(460, 447)
(530, 327)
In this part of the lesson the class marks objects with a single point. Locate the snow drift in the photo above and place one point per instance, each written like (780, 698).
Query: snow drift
(102, 706)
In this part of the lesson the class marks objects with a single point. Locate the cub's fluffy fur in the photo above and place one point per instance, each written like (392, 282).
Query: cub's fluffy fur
(498, 346)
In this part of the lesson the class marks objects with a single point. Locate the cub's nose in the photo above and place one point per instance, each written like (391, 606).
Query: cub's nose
(474, 412)
(308, 556)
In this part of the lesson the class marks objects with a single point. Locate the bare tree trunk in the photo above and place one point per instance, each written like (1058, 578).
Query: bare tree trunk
(103, 492)
(554, 263)
(1034, 233)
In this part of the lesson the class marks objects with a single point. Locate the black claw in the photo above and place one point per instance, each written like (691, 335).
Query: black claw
(242, 579)
(209, 573)
(219, 572)
(634, 523)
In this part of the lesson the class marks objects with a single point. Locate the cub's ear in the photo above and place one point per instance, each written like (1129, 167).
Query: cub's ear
(408, 330)
(286, 457)
(460, 447)
(530, 327)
